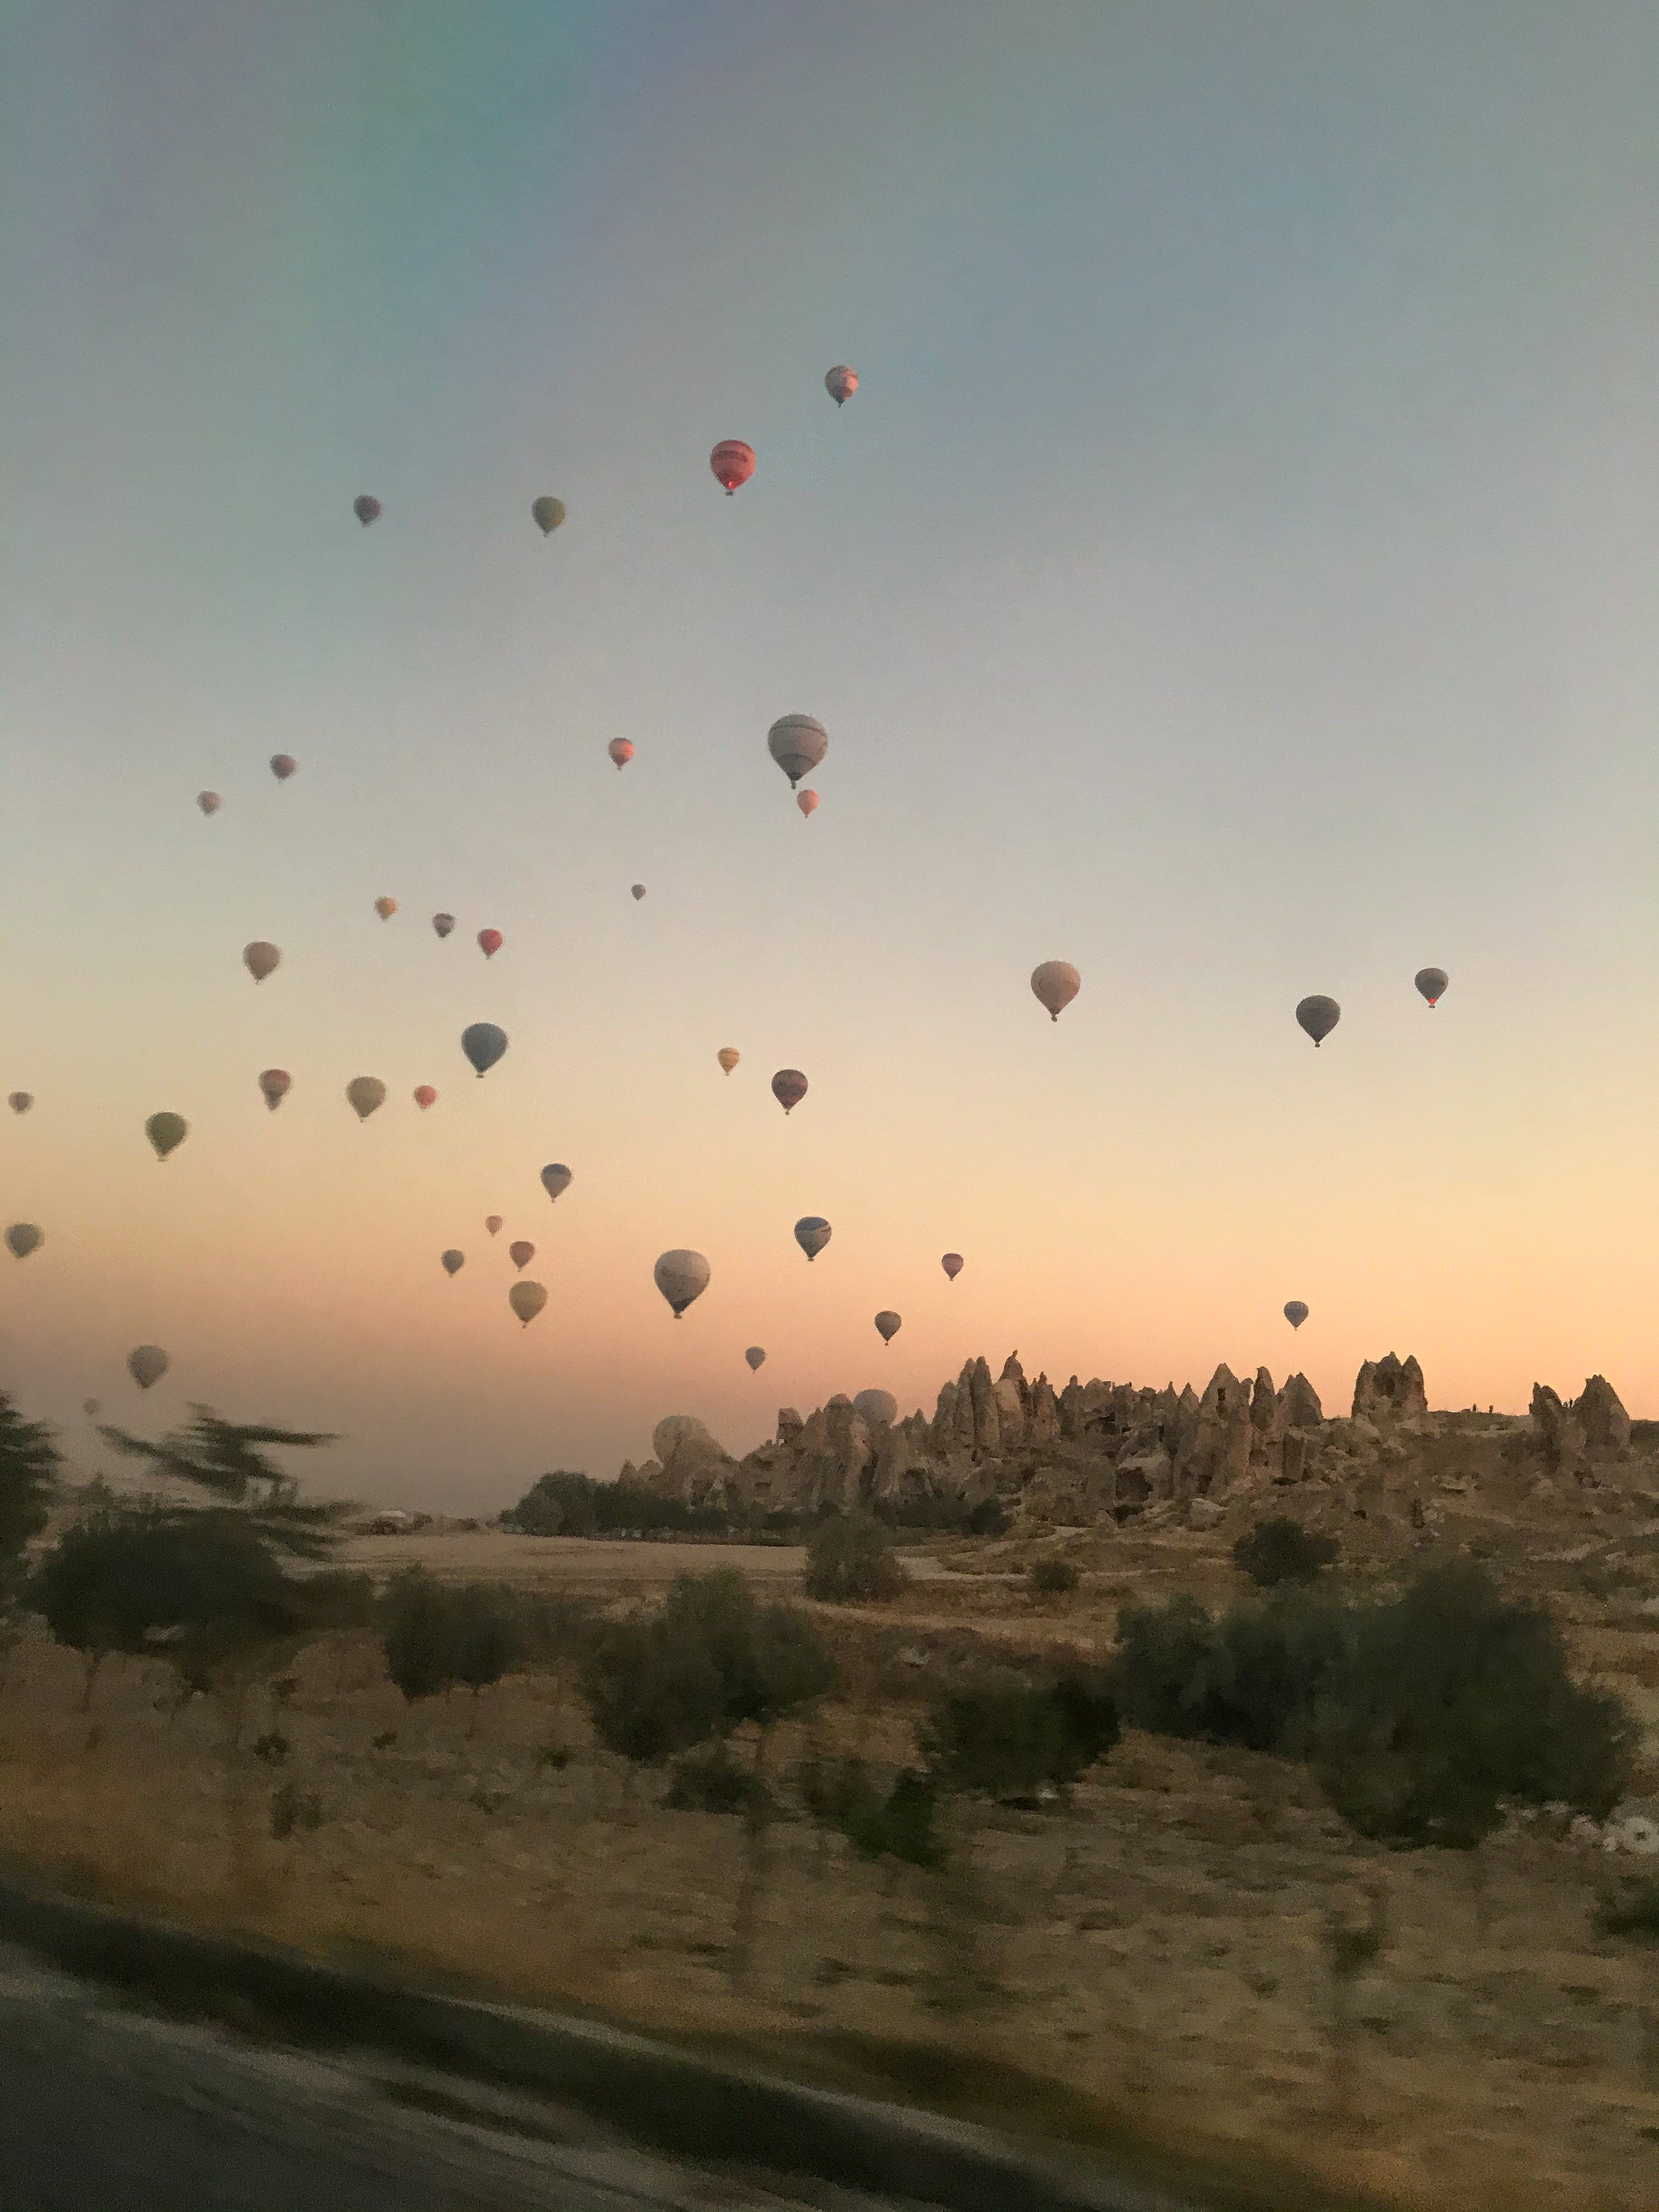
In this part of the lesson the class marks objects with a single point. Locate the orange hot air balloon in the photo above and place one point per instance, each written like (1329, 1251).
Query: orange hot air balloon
(386, 908)
(620, 751)
(789, 1088)
(808, 803)
(521, 1254)
(493, 1224)
(491, 940)
(733, 463)
(425, 1096)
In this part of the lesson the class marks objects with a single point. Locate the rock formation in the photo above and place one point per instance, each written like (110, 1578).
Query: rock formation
(1587, 1432)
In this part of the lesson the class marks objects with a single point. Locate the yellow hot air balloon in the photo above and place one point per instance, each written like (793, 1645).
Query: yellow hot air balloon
(728, 1056)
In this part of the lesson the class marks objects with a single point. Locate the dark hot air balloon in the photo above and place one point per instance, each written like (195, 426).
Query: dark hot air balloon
(167, 1131)
(365, 507)
(443, 923)
(888, 1325)
(275, 1083)
(547, 512)
(812, 1233)
(756, 1356)
(951, 1264)
(1431, 982)
(484, 1045)
(556, 1178)
(282, 766)
(22, 1238)
(521, 1254)
(1296, 1313)
(789, 1088)
(451, 1261)
(1319, 1016)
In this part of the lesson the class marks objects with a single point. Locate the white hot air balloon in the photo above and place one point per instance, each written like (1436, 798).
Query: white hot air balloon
(681, 1276)
(878, 1407)
(1055, 983)
(797, 742)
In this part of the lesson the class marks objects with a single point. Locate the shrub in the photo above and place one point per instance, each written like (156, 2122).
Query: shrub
(851, 1558)
(1052, 1577)
(487, 1631)
(1283, 1551)
(415, 1634)
(897, 1822)
(1008, 1739)
(567, 1505)
(1631, 1910)
(649, 1696)
(710, 1780)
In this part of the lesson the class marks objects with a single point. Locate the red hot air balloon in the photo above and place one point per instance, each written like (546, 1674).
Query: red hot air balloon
(808, 803)
(425, 1096)
(620, 751)
(733, 463)
(491, 940)
(521, 1254)
(951, 1264)
(789, 1088)
(275, 1083)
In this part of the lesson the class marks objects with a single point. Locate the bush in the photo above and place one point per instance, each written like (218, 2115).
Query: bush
(565, 1504)
(29, 1461)
(851, 1558)
(710, 1780)
(1283, 1551)
(1008, 1739)
(1631, 1910)
(897, 1822)
(1052, 1577)
(415, 1634)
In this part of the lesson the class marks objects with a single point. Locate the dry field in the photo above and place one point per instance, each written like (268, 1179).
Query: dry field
(1150, 1968)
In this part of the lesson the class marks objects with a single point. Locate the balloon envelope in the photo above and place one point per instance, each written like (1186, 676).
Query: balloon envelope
(453, 1261)
(789, 1088)
(493, 1224)
(22, 1238)
(443, 923)
(209, 801)
(260, 959)
(386, 908)
(484, 1045)
(620, 751)
(639, 890)
(547, 512)
(888, 1325)
(1296, 1313)
(1056, 983)
(490, 940)
(1431, 982)
(20, 1101)
(728, 1056)
(425, 1096)
(808, 803)
(756, 1356)
(282, 766)
(366, 1093)
(681, 1276)
(1318, 1016)
(878, 1407)
(521, 1254)
(951, 1264)
(733, 463)
(797, 742)
(840, 384)
(812, 1233)
(555, 1177)
(147, 1364)
(167, 1131)
(526, 1300)
(275, 1083)
(365, 507)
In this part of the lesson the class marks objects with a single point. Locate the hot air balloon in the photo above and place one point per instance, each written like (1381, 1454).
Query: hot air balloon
(386, 908)
(490, 940)
(526, 1300)
(812, 1234)
(1056, 983)
(209, 801)
(365, 507)
(638, 890)
(951, 1264)
(425, 1096)
(620, 751)
(789, 1088)
(282, 766)
(366, 1093)
(90, 1408)
(733, 463)
(275, 1083)
(728, 1056)
(840, 384)
(1431, 982)
(20, 1101)
(547, 512)
(556, 1178)
(888, 1325)
(451, 1261)
(1296, 1313)
(808, 803)
(22, 1238)
(521, 1254)
(681, 1276)
(756, 1356)
(878, 1407)
(1319, 1016)
(260, 959)
(167, 1131)
(797, 742)
(443, 923)
(493, 1224)
(147, 1364)
(484, 1045)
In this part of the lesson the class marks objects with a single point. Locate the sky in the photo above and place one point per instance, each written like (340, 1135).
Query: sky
(1233, 575)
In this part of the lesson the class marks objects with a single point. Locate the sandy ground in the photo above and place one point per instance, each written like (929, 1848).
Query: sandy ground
(1148, 1967)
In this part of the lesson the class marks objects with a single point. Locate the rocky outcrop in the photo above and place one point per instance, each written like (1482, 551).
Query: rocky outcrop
(1590, 1429)
(1603, 1420)
(1389, 1391)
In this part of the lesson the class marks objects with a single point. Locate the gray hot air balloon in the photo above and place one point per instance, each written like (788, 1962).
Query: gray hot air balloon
(812, 1233)
(878, 1407)
(888, 1325)
(1296, 1313)
(681, 1276)
(365, 507)
(526, 1300)
(547, 512)
(443, 923)
(756, 1356)
(167, 1131)
(556, 1178)
(1318, 1016)
(1431, 982)
(147, 1364)
(365, 1093)
(20, 1101)
(22, 1238)
(209, 801)
(797, 742)
(1056, 983)
(638, 890)
(260, 959)
(484, 1045)
(451, 1261)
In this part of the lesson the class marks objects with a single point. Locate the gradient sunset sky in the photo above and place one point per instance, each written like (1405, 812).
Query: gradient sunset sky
(1235, 575)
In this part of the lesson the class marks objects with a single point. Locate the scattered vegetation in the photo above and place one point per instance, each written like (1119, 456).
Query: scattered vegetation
(1282, 1551)
(851, 1560)
(1018, 1742)
(437, 1638)
(1052, 1577)
(1633, 1909)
